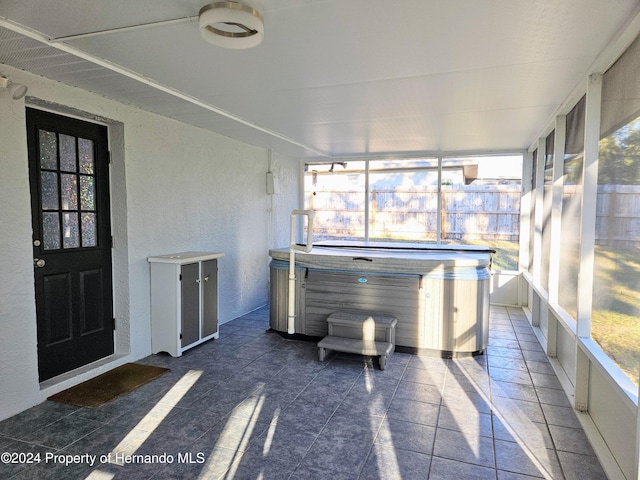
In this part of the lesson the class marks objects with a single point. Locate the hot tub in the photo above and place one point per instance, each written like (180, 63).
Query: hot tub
(439, 294)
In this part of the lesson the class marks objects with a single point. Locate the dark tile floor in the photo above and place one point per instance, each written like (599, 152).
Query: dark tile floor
(252, 405)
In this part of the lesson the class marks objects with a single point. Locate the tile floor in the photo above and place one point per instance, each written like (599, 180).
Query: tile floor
(252, 405)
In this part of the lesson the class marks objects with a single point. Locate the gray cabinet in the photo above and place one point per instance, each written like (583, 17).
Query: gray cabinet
(184, 300)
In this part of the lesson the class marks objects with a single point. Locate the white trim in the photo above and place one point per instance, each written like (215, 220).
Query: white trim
(556, 207)
(539, 210)
(60, 45)
(620, 383)
(525, 212)
(367, 207)
(439, 204)
(604, 454)
(430, 154)
(588, 208)
(567, 322)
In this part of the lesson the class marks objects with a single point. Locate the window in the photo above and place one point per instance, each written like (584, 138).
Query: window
(335, 192)
(403, 200)
(479, 199)
(616, 292)
(482, 206)
(571, 210)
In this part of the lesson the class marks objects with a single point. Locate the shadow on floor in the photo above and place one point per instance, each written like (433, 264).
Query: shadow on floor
(253, 405)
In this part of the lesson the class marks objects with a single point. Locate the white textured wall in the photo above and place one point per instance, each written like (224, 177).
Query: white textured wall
(287, 199)
(174, 188)
(18, 362)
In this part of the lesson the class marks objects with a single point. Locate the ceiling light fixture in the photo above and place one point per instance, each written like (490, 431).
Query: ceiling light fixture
(16, 90)
(231, 25)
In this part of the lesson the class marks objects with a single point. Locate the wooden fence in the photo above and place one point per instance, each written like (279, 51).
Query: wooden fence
(468, 213)
(618, 216)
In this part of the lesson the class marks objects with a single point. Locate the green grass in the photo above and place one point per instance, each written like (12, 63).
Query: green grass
(615, 322)
(506, 256)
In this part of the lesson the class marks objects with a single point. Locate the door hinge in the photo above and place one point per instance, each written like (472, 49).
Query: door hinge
(180, 335)
(113, 242)
(180, 277)
(110, 159)
(113, 323)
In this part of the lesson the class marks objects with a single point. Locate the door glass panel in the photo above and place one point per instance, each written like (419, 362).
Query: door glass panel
(87, 193)
(89, 238)
(49, 181)
(69, 191)
(67, 153)
(48, 150)
(85, 149)
(71, 237)
(51, 231)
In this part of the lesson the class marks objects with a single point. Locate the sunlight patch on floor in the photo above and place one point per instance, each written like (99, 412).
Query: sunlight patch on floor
(143, 430)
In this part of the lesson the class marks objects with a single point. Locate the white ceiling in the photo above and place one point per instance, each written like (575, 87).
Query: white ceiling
(332, 78)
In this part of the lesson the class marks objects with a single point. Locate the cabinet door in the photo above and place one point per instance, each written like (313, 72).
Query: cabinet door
(209, 297)
(190, 286)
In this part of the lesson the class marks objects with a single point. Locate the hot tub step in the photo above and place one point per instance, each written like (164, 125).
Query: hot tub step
(355, 345)
(362, 333)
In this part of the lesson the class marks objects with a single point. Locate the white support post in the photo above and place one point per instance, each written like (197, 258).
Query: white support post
(587, 234)
(637, 459)
(439, 204)
(539, 202)
(526, 203)
(525, 212)
(556, 225)
(538, 198)
(581, 393)
(367, 206)
(293, 247)
(556, 207)
(589, 198)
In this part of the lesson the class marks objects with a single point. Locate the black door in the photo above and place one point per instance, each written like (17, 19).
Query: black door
(69, 175)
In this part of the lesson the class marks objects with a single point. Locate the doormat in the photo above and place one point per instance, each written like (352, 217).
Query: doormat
(109, 385)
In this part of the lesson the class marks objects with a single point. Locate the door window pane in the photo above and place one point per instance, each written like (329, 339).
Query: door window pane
(89, 237)
(48, 150)
(71, 233)
(87, 193)
(49, 182)
(51, 231)
(67, 153)
(85, 149)
(69, 189)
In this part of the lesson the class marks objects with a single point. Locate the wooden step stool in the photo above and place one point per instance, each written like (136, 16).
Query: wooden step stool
(361, 333)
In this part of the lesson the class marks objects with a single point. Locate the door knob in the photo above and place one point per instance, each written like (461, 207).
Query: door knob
(39, 262)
